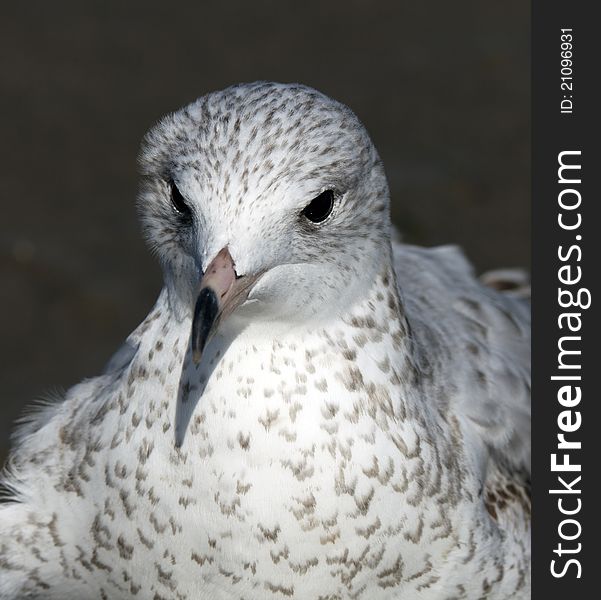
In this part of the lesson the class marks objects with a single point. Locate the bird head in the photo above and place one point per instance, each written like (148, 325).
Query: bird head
(265, 203)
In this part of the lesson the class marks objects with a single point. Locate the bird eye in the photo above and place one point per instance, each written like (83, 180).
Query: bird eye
(177, 200)
(319, 208)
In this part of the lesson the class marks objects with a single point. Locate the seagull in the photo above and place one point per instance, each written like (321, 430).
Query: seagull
(310, 411)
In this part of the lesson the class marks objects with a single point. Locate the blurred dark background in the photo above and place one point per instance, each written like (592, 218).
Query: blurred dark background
(443, 87)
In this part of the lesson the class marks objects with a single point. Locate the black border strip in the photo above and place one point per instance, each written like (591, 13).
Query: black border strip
(552, 133)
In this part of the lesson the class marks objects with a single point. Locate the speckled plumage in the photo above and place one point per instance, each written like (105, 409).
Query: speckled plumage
(358, 429)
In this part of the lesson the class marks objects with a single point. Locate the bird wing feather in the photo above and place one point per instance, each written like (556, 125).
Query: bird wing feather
(477, 339)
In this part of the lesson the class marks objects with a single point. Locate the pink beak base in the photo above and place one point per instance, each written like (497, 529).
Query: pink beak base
(221, 292)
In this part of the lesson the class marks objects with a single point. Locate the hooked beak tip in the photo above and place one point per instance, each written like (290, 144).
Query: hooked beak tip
(196, 356)
(206, 317)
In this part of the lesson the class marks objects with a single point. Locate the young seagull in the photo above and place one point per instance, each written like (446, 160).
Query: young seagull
(307, 412)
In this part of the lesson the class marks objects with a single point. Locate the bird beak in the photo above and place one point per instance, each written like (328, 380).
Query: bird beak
(221, 292)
